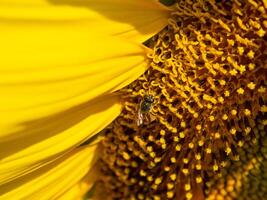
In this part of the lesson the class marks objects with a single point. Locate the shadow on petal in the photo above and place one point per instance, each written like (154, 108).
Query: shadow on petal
(36, 131)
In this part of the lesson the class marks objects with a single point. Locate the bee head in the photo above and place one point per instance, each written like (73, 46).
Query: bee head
(149, 98)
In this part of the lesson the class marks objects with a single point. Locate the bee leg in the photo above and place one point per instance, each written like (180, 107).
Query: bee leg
(149, 118)
(152, 116)
(145, 119)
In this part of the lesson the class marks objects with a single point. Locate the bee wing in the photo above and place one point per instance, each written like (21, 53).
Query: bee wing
(140, 118)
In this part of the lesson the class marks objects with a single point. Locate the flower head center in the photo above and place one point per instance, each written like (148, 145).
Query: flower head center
(208, 78)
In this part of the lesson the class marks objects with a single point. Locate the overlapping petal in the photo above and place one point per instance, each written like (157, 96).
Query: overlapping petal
(50, 75)
(54, 179)
(46, 139)
(74, 193)
(84, 189)
(134, 19)
(56, 68)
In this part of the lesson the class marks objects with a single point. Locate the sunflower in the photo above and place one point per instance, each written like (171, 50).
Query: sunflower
(133, 100)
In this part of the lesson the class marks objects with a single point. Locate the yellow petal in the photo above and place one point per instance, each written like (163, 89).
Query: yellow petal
(52, 180)
(46, 139)
(84, 189)
(137, 20)
(46, 69)
(74, 193)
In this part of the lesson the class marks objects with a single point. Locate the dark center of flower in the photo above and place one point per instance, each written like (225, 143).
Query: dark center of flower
(207, 79)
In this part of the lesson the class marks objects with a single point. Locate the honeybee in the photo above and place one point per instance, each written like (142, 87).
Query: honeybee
(144, 108)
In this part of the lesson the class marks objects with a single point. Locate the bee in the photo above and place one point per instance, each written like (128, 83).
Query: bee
(144, 108)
